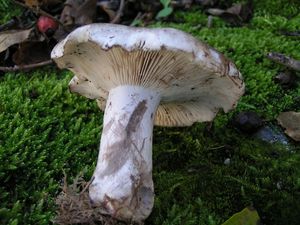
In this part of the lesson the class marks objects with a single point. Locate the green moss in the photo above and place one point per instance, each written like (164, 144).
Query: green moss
(189, 166)
(44, 130)
(8, 10)
(38, 141)
(277, 7)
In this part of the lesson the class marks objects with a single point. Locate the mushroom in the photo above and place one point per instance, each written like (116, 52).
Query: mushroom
(141, 77)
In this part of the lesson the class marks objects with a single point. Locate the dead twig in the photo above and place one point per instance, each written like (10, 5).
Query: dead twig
(25, 67)
(210, 21)
(217, 148)
(74, 207)
(87, 185)
(119, 12)
(284, 60)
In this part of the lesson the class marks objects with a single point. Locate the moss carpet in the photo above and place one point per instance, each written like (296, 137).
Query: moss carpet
(45, 130)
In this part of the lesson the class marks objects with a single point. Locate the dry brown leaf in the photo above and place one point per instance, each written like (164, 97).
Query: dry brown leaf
(291, 122)
(32, 52)
(236, 14)
(108, 8)
(76, 13)
(86, 12)
(11, 37)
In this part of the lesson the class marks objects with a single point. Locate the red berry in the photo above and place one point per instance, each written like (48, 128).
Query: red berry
(47, 25)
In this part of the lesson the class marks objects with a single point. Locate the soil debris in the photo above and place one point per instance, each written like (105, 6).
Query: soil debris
(287, 79)
(247, 122)
(74, 206)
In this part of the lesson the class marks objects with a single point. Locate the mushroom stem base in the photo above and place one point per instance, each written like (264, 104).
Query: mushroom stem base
(122, 182)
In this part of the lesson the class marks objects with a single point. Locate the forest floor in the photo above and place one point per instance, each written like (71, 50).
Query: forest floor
(201, 175)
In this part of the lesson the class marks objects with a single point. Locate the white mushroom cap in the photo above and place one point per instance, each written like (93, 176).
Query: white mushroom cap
(194, 80)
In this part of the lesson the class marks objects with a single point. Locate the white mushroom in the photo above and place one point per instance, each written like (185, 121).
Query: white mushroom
(142, 77)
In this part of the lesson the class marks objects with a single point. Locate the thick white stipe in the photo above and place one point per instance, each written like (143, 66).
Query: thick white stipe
(122, 182)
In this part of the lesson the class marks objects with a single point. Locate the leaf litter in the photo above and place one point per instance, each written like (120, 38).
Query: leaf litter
(74, 206)
(291, 122)
(63, 16)
(236, 15)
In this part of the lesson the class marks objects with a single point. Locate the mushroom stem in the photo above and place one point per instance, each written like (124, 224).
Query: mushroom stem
(122, 182)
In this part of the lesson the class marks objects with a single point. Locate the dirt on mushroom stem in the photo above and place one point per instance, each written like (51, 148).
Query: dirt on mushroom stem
(74, 205)
(122, 182)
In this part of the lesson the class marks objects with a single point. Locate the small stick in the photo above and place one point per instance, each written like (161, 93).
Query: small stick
(284, 60)
(216, 148)
(87, 185)
(210, 21)
(26, 67)
(119, 13)
(65, 186)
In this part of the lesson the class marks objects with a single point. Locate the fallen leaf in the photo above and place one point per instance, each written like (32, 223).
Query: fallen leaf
(86, 12)
(76, 13)
(32, 52)
(247, 216)
(109, 8)
(236, 14)
(291, 122)
(11, 37)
